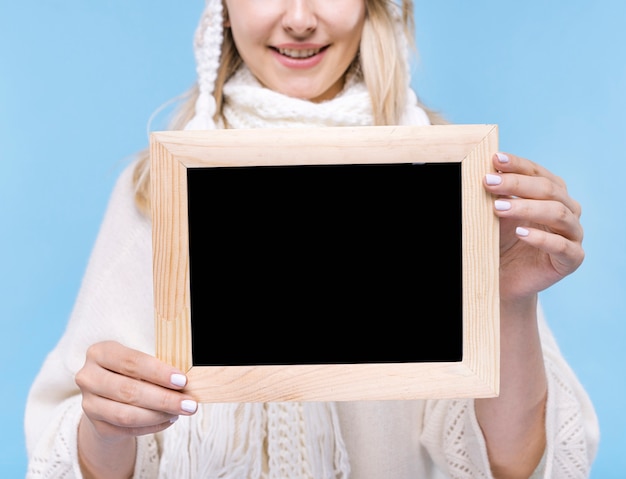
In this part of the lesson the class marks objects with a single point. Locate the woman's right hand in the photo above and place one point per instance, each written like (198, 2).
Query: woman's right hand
(126, 393)
(130, 393)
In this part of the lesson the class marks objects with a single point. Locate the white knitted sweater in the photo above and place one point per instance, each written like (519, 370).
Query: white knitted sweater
(391, 440)
(430, 439)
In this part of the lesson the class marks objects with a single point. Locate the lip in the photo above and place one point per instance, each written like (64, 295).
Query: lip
(301, 63)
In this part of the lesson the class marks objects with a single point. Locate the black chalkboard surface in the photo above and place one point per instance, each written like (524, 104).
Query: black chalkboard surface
(325, 263)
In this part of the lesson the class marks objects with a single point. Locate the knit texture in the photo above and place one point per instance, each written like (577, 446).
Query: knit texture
(257, 440)
(207, 47)
(247, 104)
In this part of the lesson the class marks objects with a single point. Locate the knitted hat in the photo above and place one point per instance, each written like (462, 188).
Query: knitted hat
(207, 49)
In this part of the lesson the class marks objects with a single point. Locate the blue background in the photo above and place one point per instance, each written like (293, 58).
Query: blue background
(79, 80)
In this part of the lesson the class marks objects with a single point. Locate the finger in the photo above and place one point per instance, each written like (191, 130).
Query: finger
(107, 428)
(123, 416)
(566, 256)
(509, 163)
(552, 215)
(532, 187)
(136, 364)
(131, 391)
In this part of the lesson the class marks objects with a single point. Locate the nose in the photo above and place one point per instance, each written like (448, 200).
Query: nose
(299, 17)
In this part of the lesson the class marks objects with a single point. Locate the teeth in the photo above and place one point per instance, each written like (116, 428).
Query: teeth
(295, 53)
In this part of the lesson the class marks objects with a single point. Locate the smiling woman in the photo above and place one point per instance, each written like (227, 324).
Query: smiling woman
(103, 405)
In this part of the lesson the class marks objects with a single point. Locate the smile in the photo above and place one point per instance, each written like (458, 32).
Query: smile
(299, 53)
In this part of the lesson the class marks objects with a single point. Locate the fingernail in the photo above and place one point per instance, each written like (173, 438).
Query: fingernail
(188, 405)
(521, 231)
(174, 419)
(502, 205)
(493, 179)
(178, 379)
(502, 158)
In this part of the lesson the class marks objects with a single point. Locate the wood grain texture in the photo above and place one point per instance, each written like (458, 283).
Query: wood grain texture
(477, 375)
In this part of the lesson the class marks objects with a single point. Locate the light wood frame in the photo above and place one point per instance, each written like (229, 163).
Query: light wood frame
(476, 375)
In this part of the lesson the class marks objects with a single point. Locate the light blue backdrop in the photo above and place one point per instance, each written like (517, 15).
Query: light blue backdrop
(79, 80)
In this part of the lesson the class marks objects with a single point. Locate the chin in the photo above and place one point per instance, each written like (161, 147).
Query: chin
(309, 94)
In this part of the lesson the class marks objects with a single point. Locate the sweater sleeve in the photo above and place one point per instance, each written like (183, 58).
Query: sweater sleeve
(454, 439)
(114, 303)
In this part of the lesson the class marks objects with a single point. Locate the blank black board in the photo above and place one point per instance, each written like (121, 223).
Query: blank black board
(325, 264)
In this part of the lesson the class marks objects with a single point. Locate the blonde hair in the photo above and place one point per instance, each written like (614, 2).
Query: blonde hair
(382, 62)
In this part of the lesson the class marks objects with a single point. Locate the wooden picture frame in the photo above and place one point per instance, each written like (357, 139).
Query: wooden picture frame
(175, 157)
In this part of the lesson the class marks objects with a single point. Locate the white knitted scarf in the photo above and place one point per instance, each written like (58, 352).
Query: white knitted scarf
(287, 440)
(248, 105)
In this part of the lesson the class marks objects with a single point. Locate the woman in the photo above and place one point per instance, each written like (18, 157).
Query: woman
(104, 406)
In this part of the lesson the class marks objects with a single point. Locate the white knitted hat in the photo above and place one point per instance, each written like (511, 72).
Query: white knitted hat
(207, 49)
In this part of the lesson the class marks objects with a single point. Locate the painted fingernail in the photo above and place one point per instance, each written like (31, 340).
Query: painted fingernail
(502, 205)
(188, 405)
(521, 231)
(174, 419)
(493, 179)
(502, 158)
(178, 379)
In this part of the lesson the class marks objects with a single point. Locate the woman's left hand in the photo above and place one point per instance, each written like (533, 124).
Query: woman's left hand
(540, 231)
